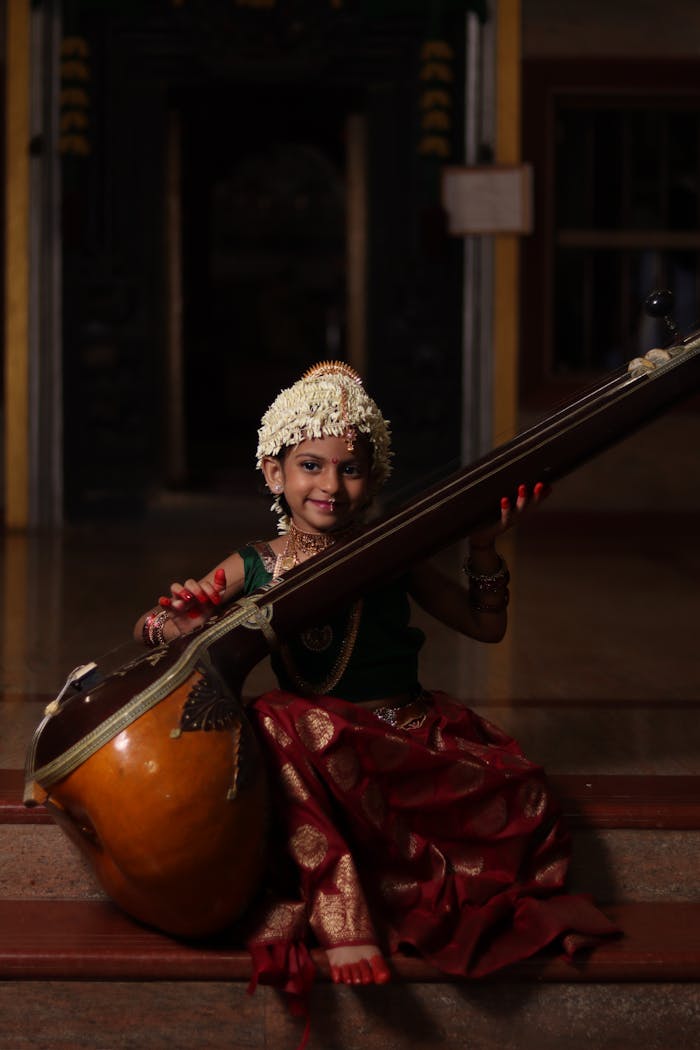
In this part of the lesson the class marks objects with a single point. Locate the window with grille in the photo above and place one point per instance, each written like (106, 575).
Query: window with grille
(615, 149)
(627, 220)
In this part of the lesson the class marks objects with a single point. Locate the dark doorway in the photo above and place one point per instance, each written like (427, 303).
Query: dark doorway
(263, 257)
(243, 116)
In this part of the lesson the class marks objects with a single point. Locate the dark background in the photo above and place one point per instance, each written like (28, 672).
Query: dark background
(261, 97)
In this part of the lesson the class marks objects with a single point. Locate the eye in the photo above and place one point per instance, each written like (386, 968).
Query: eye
(309, 465)
(352, 470)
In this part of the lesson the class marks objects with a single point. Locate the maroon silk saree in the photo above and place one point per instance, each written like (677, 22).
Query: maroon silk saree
(439, 838)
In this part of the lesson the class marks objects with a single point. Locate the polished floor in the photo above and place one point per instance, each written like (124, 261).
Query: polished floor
(600, 670)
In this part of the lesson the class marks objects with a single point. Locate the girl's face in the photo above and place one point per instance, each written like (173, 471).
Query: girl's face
(324, 485)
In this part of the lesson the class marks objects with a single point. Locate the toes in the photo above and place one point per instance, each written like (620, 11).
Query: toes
(361, 971)
(380, 971)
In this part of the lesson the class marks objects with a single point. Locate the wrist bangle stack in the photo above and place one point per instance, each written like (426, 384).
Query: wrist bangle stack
(483, 583)
(489, 582)
(153, 631)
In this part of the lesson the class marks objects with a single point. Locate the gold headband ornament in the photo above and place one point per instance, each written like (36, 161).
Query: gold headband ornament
(328, 401)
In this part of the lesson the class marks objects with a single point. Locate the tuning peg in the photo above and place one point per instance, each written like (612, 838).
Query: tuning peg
(659, 303)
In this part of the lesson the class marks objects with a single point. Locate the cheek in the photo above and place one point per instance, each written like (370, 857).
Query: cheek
(359, 487)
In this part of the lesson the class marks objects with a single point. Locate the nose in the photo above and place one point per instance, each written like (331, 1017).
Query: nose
(331, 481)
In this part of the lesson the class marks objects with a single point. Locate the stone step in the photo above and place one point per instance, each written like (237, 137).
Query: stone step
(76, 975)
(39, 862)
(635, 839)
(94, 940)
(588, 801)
(218, 1015)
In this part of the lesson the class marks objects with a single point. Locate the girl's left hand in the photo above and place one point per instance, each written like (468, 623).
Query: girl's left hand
(510, 515)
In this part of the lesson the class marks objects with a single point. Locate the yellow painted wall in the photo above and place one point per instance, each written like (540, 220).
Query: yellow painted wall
(17, 131)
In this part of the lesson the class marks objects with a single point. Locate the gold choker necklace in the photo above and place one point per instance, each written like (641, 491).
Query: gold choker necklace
(308, 543)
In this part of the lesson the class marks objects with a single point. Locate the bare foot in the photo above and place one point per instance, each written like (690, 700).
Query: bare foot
(358, 964)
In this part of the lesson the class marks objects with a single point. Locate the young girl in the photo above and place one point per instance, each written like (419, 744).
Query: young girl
(404, 819)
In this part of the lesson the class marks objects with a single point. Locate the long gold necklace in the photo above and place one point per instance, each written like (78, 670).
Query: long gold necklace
(312, 543)
(340, 663)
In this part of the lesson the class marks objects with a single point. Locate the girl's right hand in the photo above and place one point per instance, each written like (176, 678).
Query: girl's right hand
(193, 603)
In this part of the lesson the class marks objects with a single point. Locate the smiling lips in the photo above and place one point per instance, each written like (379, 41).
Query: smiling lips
(324, 504)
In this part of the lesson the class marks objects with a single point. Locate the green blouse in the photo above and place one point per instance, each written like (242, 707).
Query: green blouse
(384, 660)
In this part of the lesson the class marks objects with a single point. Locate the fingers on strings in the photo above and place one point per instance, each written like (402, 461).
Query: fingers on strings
(193, 596)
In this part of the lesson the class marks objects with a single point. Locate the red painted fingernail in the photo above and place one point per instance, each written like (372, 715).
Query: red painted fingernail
(202, 598)
(522, 490)
(505, 503)
(215, 599)
(220, 576)
(539, 488)
(165, 602)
